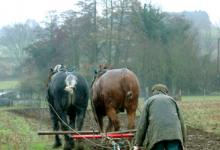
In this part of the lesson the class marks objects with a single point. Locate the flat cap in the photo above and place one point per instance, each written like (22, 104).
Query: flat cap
(160, 87)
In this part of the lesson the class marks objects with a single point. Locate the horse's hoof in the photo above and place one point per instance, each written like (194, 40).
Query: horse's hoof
(69, 146)
(56, 145)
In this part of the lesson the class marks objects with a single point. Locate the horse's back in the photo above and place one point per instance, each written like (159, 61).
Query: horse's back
(120, 80)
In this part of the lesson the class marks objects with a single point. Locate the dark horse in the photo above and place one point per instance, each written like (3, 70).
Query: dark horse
(68, 95)
(112, 91)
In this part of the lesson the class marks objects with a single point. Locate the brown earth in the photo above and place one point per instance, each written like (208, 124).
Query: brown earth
(196, 138)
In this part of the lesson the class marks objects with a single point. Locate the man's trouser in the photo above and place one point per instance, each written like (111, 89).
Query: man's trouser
(168, 145)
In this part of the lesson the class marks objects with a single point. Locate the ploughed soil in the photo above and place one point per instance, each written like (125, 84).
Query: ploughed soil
(196, 138)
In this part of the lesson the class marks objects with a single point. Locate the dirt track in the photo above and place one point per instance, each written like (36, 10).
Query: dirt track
(196, 139)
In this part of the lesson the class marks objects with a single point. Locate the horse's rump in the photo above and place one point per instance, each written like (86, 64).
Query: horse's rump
(114, 91)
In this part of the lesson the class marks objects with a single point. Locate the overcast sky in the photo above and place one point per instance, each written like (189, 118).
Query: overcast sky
(212, 7)
(14, 11)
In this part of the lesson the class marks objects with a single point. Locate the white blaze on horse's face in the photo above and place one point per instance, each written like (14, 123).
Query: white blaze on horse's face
(70, 81)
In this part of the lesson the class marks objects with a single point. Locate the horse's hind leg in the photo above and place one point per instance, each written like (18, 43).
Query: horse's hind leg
(54, 118)
(100, 122)
(110, 125)
(72, 118)
(69, 143)
(131, 119)
(79, 119)
(111, 113)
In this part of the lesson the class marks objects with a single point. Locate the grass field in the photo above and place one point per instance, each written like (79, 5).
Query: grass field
(8, 84)
(18, 133)
(202, 112)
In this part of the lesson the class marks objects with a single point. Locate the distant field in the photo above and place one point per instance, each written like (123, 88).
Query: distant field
(200, 98)
(202, 112)
(8, 84)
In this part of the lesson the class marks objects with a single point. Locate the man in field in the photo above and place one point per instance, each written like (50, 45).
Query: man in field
(161, 125)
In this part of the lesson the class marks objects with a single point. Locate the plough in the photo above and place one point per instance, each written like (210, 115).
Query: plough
(77, 135)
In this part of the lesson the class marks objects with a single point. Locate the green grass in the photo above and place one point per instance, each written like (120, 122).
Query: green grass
(200, 98)
(18, 133)
(8, 84)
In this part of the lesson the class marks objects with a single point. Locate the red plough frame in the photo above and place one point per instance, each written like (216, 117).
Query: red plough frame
(98, 136)
(92, 134)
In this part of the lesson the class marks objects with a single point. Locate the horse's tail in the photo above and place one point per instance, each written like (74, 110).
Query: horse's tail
(129, 95)
(71, 82)
(130, 84)
(127, 85)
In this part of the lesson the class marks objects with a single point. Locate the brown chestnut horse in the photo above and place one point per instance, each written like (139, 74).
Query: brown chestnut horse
(114, 91)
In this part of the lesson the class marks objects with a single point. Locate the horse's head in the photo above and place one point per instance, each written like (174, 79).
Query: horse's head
(100, 71)
(105, 67)
(52, 71)
(59, 68)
